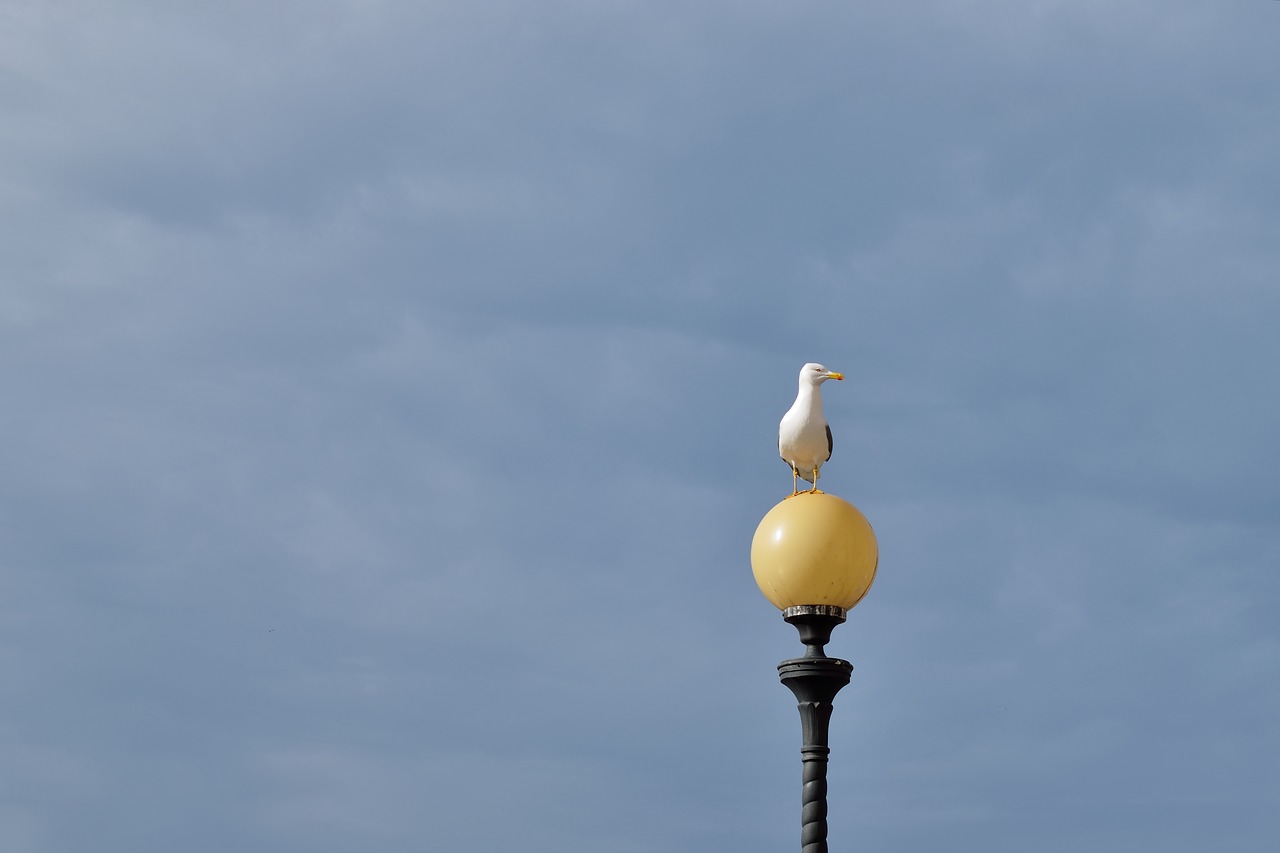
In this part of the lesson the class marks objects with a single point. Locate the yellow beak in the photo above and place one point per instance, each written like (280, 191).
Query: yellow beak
(833, 375)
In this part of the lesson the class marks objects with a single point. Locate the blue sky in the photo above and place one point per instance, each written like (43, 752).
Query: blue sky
(390, 394)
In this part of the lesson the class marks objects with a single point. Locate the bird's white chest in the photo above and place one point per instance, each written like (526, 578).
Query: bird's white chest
(802, 434)
(799, 422)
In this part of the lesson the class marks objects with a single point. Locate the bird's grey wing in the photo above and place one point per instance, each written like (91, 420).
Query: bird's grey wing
(831, 445)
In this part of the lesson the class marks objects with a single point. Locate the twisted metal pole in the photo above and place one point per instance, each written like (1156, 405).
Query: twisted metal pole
(815, 679)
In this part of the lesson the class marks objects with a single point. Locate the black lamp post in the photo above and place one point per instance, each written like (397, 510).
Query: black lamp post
(815, 679)
(814, 547)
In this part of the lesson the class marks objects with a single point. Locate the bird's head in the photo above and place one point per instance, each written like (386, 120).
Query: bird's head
(816, 374)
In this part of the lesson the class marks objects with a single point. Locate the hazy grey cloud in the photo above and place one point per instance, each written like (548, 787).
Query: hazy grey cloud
(390, 395)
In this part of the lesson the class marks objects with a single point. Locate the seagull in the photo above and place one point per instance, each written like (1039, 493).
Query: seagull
(804, 437)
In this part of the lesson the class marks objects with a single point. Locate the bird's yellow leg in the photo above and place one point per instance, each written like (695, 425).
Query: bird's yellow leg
(795, 481)
(814, 490)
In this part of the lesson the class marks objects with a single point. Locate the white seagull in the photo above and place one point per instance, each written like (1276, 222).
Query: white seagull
(804, 437)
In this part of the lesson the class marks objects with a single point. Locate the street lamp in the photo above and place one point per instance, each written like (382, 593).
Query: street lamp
(814, 557)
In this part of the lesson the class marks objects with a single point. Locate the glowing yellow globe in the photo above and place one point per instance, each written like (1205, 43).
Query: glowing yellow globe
(814, 548)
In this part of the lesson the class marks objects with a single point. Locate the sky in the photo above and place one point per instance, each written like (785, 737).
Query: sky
(389, 394)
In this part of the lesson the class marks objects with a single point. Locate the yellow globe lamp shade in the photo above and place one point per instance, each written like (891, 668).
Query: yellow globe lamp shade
(814, 549)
